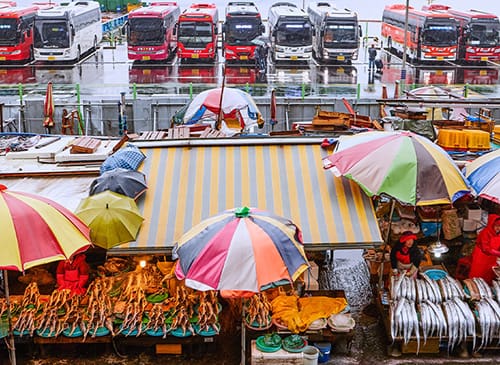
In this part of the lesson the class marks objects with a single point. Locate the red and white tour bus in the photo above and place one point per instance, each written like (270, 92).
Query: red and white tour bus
(478, 39)
(242, 25)
(197, 33)
(151, 32)
(16, 32)
(432, 35)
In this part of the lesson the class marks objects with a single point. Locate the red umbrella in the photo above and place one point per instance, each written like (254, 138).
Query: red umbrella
(48, 107)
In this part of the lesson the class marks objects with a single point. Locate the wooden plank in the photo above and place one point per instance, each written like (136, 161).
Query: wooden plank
(205, 132)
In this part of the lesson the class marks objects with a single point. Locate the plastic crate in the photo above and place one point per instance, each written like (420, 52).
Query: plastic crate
(477, 140)
(452, 139)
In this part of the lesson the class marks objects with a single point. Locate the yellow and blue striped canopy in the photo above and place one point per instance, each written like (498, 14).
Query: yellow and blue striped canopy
(192, 182)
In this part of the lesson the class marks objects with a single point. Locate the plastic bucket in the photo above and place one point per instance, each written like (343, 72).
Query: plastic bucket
(324, 349)
(311, 355)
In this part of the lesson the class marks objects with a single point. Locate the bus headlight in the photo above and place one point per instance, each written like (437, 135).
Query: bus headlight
(230, 51)
(15, 53)
(308, 49)
(280, 49)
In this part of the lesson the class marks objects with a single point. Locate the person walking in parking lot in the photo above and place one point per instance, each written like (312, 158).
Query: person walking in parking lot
(372, 55)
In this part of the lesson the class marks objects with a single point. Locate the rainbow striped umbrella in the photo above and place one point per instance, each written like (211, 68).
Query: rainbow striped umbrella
(235, 104)
(402, 165)
(36, 231)
(244, 250)
(484, 175)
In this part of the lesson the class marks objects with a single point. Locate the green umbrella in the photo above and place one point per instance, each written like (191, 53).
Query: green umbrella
(113, 218)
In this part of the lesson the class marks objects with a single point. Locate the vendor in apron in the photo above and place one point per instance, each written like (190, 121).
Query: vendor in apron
(73, 274)
(406, 256)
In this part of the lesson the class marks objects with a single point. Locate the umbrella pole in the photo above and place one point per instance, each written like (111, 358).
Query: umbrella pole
(12, 347)
(243, 337)
(220, 116)
(386, 240)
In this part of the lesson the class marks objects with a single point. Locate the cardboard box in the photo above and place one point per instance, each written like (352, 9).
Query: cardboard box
(473, 212)
(470, 225)
(169, 348)
(311, 276)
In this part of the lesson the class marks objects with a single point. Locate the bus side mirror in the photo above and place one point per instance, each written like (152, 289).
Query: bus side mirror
(262, 28)
(73, 32)
(28, 33)
(174, 31)
(216, 29)
(360, 31)
(322, 33)
(223, 28)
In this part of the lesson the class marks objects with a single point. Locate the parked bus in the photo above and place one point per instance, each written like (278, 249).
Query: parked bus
(432, 35)
(243, 24)
(66, 32)
(150, 32)
(478, 38)
(336, 33)
(290, 32)
(197, 33)
(16, 33)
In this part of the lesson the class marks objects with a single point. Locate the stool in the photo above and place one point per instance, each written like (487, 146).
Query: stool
(463, 268)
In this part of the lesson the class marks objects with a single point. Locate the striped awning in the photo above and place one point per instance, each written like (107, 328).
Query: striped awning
(191, 182)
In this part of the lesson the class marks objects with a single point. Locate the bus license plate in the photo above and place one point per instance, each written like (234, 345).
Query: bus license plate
(51, 58)
(483, 72)
(243, 70)
(244, 58)
(484, 58)
(440, 58)
(2, 58)
(294, 58)
(195, 55)
(146, 58)
(439, 72)
(340, 58)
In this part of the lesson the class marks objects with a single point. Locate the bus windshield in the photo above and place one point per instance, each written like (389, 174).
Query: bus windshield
(484, 35)
(52, 35)
(240, 31)
(294, 34)
(339, 33)
(195, 34)
(439, 35)
(8, 32)
(146, 31)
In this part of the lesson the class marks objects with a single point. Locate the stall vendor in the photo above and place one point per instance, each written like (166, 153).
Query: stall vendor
(73, 274)
(406, 256)
(487, 250)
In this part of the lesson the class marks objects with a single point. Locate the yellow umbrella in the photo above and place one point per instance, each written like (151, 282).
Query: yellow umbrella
(113, 218)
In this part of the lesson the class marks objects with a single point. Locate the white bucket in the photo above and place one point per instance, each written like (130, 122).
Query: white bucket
(311, 355)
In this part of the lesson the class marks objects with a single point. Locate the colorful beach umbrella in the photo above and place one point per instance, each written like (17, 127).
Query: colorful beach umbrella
(236, 104)
(113, 218)
(36, 231)
(122, 181)
(483, 175)
(402, 165)
(48, 107)
(243, 250)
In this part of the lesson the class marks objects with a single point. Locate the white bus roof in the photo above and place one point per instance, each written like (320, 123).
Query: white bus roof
(331, 11)
(73, 7)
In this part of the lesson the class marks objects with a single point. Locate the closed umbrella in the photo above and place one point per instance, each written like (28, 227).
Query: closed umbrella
(48, 108)
(273, 108)
(113, 218)
(483, 175)
(122, 181)
(402, 165)
(36, 231)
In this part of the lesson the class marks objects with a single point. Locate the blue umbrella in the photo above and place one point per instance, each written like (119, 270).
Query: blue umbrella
(129, 157)
(483, 175)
